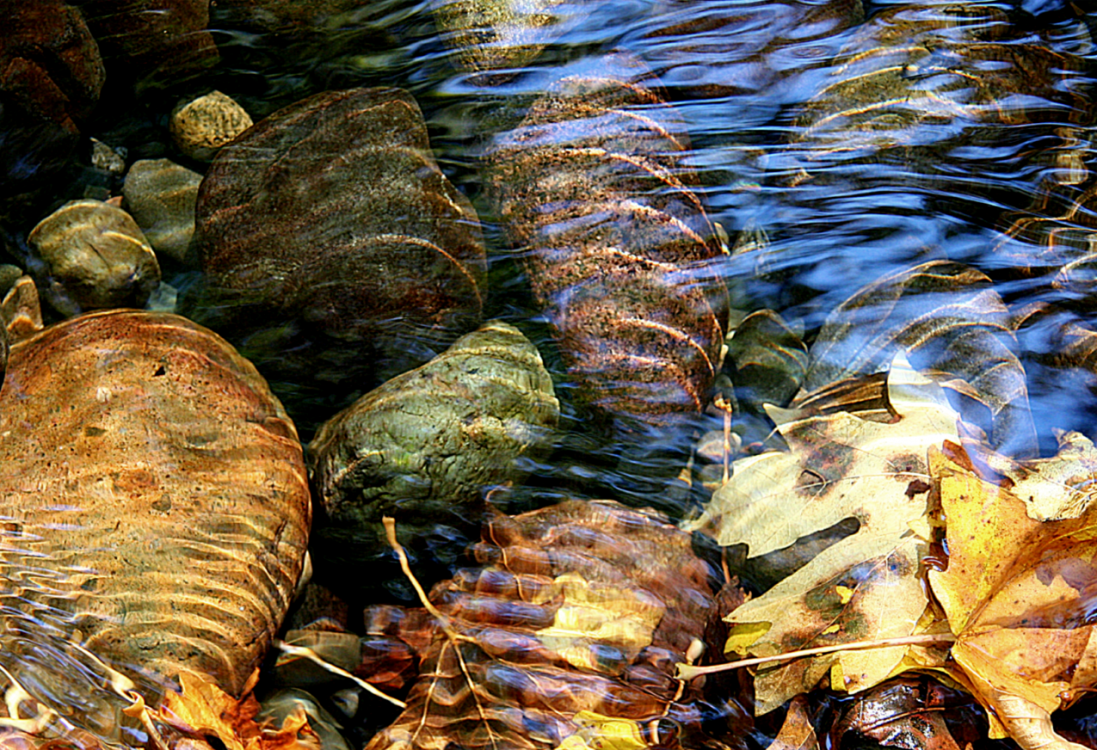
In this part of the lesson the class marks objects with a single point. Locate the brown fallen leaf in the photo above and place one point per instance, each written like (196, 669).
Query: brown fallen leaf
(896, 714)
(863, 587)
(796, 733)
(203, 709)
(1019, 596)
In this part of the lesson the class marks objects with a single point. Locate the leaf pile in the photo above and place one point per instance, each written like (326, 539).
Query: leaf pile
(1011, 617)
(203, 709)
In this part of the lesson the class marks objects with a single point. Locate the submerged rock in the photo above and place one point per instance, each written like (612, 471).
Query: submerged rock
(95, 257)
(335, 250)
(159, 43)
(201, 126)
(425, 448)
(616, 242)
(155, 509)
(161, 195)
(566, 635)
(50, 62)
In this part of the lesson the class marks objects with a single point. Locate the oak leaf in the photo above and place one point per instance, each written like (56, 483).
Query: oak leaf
(1018, 594)
(865, 586)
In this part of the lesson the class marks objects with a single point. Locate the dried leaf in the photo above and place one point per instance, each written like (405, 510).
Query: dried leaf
(864, 586)
(1018, 594)
(796, 733)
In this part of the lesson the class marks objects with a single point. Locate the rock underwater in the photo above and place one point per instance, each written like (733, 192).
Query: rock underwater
(595, 192)
(426, 447)
(335, 251)
(154, 514)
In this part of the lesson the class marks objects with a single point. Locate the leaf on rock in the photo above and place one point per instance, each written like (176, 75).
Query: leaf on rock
(866, 585)
(1019, 595)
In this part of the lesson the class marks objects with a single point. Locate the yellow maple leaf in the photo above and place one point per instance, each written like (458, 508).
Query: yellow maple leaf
(1018, 594)
(863, 587)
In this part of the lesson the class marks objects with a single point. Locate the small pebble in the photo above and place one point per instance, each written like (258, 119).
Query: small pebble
(202, 126)
(106, 158)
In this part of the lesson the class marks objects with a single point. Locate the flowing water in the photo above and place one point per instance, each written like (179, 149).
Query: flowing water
(836, 146)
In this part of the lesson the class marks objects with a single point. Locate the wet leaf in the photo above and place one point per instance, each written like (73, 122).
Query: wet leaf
(1019, 596)
(1055, 488)
(896, 714)
(203, 709)
(796, 733)
(864, 586)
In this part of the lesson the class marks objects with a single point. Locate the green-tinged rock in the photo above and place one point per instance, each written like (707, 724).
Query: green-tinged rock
(425, 448)
(160, 195)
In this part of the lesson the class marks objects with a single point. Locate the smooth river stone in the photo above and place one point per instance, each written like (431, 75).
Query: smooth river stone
(95, 257)
(154, 509)
(160, 195)
(336, 252)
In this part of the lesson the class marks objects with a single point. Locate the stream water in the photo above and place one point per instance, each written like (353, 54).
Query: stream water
(939, 150)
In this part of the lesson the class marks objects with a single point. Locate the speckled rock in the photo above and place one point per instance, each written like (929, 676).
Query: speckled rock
(200, 127)
(95, 257)
(424, 448)
(595, 192)
(160, 195)
(107, 159)
(497, 34)
(335, 250)
(156, 511)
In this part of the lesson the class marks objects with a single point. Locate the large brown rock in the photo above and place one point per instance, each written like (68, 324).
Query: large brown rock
(49, 62)
(154, 509)
(614, 236)
(334, 248)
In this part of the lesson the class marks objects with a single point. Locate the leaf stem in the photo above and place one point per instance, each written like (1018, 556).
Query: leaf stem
(688, 671)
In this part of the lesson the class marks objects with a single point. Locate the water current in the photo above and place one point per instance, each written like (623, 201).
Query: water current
(939, 151)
